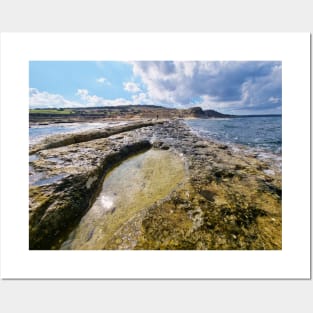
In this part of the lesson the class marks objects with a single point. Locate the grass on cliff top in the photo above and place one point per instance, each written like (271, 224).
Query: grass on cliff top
(51, 111)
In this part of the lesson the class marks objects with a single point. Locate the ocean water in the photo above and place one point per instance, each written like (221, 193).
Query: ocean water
(259, 133)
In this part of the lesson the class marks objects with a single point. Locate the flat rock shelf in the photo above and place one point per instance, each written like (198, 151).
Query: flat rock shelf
(152, 185)
(135, 184)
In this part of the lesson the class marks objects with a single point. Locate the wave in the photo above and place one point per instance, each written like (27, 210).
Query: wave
(264, 133)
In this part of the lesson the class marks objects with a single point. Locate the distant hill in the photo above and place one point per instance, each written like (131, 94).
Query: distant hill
(139, 110)
(199, 113)
(115, 112)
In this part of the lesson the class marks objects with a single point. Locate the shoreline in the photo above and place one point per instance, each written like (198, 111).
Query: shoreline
(124, 121)
(227, 202)
(255, 152)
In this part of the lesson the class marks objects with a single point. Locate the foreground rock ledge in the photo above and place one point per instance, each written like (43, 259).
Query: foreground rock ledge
(229, 199)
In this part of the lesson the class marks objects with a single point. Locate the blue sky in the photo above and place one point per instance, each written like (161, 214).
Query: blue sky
(252, 87)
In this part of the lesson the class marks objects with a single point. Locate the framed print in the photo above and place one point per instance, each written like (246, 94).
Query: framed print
(149, 155)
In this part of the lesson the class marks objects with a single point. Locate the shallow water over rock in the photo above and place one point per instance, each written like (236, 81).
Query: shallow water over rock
(132, 186)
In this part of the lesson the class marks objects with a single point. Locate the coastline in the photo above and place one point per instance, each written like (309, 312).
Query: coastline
(228, 200)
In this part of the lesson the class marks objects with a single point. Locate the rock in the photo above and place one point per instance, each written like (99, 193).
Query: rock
(69, 139)
(226, 202)
(196, 112)
(209, 195)
(60, 206)
(223, 147)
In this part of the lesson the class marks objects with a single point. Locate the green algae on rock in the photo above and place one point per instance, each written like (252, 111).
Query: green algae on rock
(135, 184)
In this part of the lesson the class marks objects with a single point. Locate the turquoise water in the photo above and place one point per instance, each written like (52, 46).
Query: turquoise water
(263, 133)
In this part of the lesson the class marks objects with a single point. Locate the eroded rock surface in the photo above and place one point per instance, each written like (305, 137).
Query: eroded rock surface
(132, 186)
(230, 199)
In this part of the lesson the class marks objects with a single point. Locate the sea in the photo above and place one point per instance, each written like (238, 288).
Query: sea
(262, 134)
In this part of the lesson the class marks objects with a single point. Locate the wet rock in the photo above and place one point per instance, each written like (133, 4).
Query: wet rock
(227, 202)
(209, 195)
(160, 145)
(70, 139)
(201, 144)
(58, 208)
(223, 147)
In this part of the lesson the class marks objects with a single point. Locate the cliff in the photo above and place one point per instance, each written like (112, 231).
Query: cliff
(199, 113)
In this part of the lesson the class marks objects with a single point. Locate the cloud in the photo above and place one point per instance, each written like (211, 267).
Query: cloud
(43, 99)
(274, 100)
(95, 101)
(142, 98)
(116, 102)
(83, 93)
(103, 80)
(131, 87)
(231, 85)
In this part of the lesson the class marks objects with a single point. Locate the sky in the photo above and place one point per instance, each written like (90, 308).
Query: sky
(231, 87)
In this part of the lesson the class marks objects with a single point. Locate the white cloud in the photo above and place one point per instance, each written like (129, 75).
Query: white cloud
(116, 102)
(103, 80)
(131, 87)
(248, 85)
(83, 93)
(208, 102)
(274, 99)
(142, 98)
(43, 99)
(95, 101)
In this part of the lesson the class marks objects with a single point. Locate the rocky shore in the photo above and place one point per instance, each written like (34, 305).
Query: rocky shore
(228, 199)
